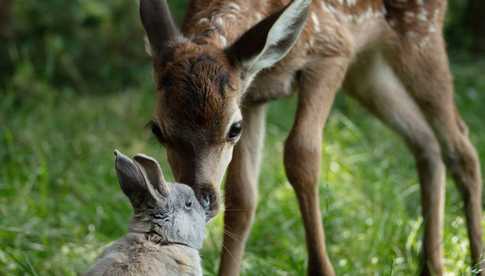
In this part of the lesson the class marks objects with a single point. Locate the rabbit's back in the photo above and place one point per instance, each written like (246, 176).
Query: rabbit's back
(134, 255)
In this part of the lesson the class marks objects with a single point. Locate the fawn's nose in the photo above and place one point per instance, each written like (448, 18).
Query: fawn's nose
(205, 191)
(208, 197)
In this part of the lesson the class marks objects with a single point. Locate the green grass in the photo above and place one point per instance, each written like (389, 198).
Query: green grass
(60, 202)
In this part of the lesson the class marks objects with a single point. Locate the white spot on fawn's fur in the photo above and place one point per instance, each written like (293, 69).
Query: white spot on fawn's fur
(351, 3)
(219, 22)
(233, 6)
(316, 22)
(223, 40)
(423, 15)
(203, 21)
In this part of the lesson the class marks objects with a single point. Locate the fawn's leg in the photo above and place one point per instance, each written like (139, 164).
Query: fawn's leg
(318, 86)
(241, 189)
(425, 72)
(375, 85)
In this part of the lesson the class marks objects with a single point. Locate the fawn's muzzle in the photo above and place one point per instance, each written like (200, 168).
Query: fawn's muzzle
(208, 197)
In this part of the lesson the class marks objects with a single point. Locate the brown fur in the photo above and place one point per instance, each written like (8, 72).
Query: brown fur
(195, 88)
(388, 54)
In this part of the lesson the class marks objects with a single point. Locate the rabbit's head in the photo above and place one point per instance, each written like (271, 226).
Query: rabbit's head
(169, 213)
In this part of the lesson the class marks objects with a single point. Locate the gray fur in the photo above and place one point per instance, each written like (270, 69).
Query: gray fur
(166, 231)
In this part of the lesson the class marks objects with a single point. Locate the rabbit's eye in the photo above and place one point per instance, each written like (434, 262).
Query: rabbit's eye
(188, 204)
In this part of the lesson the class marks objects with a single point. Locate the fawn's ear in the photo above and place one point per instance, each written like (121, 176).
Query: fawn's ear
(140, 179)
(158, 24)
(270, 40)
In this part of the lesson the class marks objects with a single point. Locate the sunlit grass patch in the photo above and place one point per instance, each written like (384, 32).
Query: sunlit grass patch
(60, 202)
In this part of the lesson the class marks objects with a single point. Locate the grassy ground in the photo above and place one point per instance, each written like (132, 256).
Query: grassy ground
(60, 202)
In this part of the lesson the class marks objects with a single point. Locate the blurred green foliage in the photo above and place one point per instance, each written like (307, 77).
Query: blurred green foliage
(88, 46)
(456, 32)
(97, 46)
(75, 44)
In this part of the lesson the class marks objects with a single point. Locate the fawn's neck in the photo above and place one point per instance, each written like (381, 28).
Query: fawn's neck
(221, 22)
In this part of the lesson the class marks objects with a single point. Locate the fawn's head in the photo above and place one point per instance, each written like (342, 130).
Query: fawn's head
(199, 90)
(168, 213)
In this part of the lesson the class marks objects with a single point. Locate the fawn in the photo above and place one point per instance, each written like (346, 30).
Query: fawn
(166, 231)
(215, 76)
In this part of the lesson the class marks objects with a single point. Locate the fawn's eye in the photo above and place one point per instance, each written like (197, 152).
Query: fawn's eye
(235, 131)
(188, 204)
(157, 132)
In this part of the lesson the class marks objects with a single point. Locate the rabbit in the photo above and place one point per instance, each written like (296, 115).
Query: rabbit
(166, 231)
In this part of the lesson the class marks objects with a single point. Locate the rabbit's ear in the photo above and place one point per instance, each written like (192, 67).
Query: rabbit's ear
(135, 181)
(153, 172)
